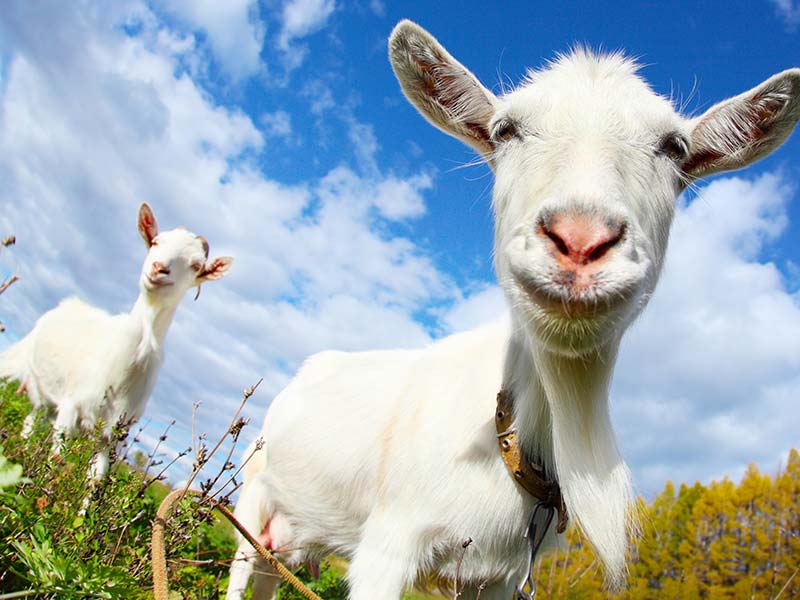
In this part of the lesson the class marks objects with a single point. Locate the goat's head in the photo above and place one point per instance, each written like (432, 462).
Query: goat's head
(176, 260)
(588, 162)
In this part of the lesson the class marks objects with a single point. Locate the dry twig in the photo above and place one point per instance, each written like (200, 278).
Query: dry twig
(7, 241)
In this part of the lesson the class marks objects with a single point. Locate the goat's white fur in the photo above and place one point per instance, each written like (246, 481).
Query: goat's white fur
(390, 458)
(87, 365)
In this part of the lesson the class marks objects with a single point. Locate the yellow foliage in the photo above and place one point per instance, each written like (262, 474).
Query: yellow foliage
(717, 542)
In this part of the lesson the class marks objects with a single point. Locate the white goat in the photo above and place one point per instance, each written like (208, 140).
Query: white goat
(391, 458)
(89, 365)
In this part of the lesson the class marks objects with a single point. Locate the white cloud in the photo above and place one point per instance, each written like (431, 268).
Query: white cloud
(477, 308)
(301, 18)
(362, 136)
(233, 27)
(789, 10)
(378, 7)
(320, 97)
(277, 124)
(708, 378)
(399, 199)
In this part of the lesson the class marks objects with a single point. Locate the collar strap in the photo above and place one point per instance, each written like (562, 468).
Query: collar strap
(530, 475)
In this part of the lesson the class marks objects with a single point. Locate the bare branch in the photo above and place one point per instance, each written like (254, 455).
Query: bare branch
(232, 429)
(259, 445)
(7, 283)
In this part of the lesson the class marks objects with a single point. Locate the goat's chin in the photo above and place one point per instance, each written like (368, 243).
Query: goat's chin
(572, 328)
(157, 291)
(570, 336)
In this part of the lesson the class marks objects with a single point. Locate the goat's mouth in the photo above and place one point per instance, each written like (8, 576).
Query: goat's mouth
(160, 281)
(565, 296)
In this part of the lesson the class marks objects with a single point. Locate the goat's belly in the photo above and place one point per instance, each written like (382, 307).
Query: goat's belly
(324, 486)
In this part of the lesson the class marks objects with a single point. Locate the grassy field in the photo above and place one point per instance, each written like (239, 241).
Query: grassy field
(57, 550)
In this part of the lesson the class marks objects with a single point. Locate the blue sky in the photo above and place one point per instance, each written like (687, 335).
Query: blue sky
(277, 130)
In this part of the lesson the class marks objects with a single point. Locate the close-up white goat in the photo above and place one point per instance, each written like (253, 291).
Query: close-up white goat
(84, 365)
(391, 458)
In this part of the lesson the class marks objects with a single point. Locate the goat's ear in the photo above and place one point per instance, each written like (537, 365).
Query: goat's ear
(148, 227)
(440, 87)
(743, 129)
(215, 268)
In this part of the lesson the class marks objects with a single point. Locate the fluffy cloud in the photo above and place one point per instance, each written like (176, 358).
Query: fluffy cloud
(277, 124)
(233, 28)
(789, 11)
(302, 18)
(708, 378)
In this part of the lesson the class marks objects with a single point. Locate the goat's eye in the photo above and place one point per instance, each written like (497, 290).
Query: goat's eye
(674, 147)
(504, 131)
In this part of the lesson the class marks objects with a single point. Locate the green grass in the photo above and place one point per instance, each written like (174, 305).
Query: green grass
(57, 551)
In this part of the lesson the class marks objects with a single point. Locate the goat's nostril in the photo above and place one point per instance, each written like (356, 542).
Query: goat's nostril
(581, 238)
(557, 241)
(599, 251)
(160, 269)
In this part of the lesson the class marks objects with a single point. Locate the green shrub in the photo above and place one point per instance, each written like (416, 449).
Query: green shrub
(58, 549)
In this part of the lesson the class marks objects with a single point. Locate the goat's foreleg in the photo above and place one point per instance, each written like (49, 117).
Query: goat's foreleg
(99, 465)
(27, 424)
(65, 423)
(250, 511)
(385, 562)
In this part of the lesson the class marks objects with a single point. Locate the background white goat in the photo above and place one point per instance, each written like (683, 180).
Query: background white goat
(86, 364)
(390, 458)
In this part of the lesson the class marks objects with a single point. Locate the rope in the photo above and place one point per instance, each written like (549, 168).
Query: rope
(160, 583)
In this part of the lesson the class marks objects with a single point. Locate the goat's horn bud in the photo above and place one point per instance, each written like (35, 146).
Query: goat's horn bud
(205, 244)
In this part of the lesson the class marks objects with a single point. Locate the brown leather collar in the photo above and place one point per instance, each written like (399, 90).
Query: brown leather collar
(530, 475)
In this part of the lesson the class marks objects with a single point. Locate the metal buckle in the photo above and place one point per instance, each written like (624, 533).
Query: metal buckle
(534, 544)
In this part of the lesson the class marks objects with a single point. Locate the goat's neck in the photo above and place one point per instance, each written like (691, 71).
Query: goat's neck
(561, 415)
(153, 320)
(550, 389)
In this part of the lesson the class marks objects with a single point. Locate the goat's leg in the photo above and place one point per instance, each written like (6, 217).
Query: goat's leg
(249, 512)
(495, 591)
(65, 423)
(385, 561)
(265, 580)
(99, 465)
(27, 424)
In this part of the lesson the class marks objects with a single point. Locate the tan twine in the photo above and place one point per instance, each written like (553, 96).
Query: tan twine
(159, 558)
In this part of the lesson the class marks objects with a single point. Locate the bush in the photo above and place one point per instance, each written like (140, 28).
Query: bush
(70, 541)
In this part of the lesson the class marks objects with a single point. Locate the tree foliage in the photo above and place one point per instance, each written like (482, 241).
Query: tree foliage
(721, 542)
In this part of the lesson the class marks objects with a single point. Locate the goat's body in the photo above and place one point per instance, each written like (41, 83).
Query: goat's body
(391, 458)
(413, 472)
(86, 365)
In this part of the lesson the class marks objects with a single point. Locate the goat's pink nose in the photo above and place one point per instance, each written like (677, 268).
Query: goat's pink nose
(582, 238)
(159, 268)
